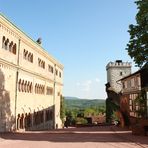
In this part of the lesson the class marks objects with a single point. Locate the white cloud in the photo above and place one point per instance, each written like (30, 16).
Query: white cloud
(97, 80)
(90, 89)
(84, 86)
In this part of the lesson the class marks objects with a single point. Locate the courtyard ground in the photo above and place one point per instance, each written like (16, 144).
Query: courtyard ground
(88, 137)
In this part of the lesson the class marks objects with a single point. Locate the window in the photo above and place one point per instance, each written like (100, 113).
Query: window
(14, 49)
(25, 54)
(39, 89)
(24, 86)
(121, 73)
(46, 115)
(50, 68)
(129, 83)
(132, 82)
(28, 88)
(8, 45)
(3, 42)
(19, 85)
(124, 84)
(60, 75)
(41, 63)
(35, 88)
(31, 58)
(28, 56)
(56, 72)
(139, 82)
(11, 47)
(49, 90)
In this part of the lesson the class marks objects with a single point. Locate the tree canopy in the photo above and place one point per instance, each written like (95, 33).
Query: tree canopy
(138, 44)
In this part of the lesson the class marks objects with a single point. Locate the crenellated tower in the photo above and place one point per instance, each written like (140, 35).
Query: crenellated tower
(116, 71)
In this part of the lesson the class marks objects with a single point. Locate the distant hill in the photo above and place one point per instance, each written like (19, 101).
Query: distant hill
(77, 103)
(67, 97)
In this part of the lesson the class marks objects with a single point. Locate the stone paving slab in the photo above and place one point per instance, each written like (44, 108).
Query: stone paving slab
(92, 137)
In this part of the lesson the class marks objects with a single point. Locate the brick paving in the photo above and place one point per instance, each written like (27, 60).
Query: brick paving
(88, 137)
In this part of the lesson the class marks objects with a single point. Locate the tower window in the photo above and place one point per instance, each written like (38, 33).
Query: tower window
(121, 73)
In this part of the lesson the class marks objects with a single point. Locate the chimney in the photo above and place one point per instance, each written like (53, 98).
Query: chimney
(39, 41)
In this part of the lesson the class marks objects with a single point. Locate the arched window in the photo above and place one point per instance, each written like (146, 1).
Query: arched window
(25, 86)
(39, 62)
(28, 87)
(44, 65)
(28, 120)
(24, 53)
(7, 44)
(50, 115)
(14, 49)
(22, 86)
(10, 46)
(22, 121)
(29, 57)
(19, 85)
(3, 42)
(32, 58)
(39, 89)
(35, 88)
(43, 89)
(46, 115)
(41, 116)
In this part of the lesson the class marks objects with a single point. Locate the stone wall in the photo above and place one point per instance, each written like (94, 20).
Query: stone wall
(31, 81)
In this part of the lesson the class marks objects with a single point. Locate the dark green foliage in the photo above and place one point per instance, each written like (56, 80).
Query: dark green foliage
(138, 44)
(111, 107)
(71, 116)
(83, 103)
(109, 111)
(62, 108)
(141, 102)
(81, 120)
(77, 109)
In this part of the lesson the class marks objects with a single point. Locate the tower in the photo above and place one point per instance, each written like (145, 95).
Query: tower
(116, 71)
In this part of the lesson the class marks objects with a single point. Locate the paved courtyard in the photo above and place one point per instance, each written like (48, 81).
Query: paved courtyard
(92, 137)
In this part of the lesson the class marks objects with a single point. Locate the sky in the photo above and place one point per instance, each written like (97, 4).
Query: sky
(84, 35)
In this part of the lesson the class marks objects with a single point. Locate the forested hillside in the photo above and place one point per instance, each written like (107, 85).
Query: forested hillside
(75, 103)
(76, 109)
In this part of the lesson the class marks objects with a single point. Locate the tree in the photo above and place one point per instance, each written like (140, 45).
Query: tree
(138, 44)
(62, 108)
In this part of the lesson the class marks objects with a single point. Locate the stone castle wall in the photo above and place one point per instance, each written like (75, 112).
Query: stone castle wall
(31, 82)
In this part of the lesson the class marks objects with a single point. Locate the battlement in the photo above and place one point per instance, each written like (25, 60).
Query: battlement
(118, 63)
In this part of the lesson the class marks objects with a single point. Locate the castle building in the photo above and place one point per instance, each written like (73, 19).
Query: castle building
(31, 82)
(116, 71)
(134, 99)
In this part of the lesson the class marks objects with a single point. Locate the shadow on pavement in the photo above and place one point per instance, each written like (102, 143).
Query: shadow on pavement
(96, 134)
